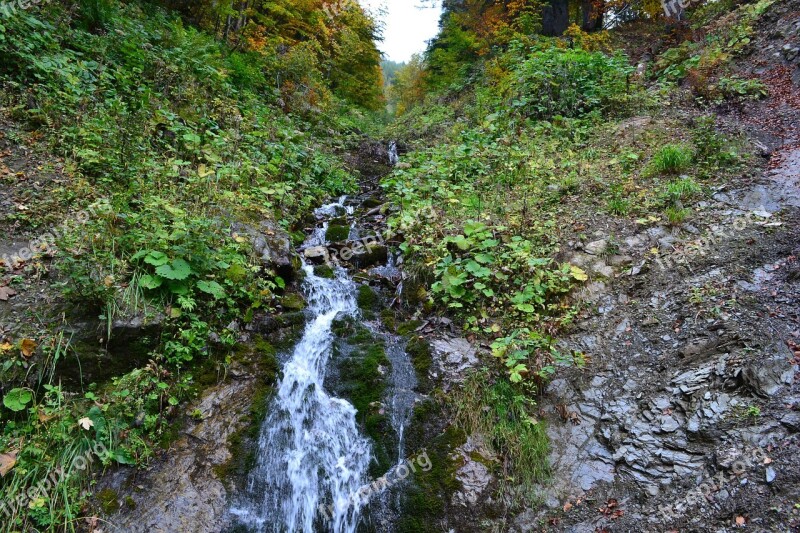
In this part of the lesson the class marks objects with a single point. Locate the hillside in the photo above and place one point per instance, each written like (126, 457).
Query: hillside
(545, 279)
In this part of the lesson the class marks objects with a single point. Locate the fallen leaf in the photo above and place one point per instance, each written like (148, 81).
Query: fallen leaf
(7, 462)
(567, 507)
(6, 346)
(45, 418)
(27, 347)
(86, 422)
(6, 293)
(767, 460)
(740, 520)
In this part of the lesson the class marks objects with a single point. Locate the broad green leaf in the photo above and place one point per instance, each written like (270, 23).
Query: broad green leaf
(177, 270)
(156, 258)
(150, 282)
(211, 287)
(17, 399)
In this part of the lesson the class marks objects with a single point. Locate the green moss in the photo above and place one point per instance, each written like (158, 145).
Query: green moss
(324, 271)
(109, 502)
(364, 385)
(389, 320)
(130, 503)
(426, 500)
(337, 233)
(367, 298)
(420, 352)
(293, 302)
(408, 328)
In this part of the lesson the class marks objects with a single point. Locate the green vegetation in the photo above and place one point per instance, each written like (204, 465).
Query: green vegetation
(171, 135)
(183, 136)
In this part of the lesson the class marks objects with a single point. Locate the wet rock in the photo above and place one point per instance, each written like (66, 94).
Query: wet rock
(474, 476)
(368, 255)
(183, 491)
(454, 357)
(791, 420)
(316, 255)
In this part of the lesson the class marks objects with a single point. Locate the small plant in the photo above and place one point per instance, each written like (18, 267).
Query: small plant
(677, 215)
(619, 206)
(670, 159)
(569, 185)
(681, 189)
(740, 89)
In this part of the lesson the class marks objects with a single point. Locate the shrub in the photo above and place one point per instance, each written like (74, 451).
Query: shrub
(569, 83)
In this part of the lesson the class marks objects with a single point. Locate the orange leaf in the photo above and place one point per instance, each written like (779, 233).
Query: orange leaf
(27, 347)
(740, 520)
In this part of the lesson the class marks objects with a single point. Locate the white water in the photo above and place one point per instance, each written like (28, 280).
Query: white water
(393, 157)
(311, 458)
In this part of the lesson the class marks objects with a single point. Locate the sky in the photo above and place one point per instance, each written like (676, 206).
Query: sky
(407, 28)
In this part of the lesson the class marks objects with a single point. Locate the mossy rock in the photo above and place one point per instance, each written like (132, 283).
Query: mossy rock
(109, 501)
(368, 299)
(371, 202)
(389, 320)
(420, 352)
(293, 302)
(337, 233)
(362, 380)
(324, 271)
(426, 501)
(243, 443)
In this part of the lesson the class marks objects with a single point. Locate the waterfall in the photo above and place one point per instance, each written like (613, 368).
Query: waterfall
(311, 460)
(393, 157)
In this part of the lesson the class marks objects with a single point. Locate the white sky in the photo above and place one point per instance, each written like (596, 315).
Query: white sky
(407, 27)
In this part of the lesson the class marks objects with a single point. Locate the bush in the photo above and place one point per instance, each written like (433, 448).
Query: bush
(569, 83)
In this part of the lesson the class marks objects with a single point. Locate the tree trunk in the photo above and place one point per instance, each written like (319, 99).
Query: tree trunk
(555, 18)
(593, 14)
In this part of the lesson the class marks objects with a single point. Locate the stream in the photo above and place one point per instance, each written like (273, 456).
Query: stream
(312, 459)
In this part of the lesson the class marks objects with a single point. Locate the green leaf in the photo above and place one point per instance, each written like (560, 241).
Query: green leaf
(477, 270)
(279, 281)
(471, 227)
(17, 399)
(461, 242)
(156, 258)
(211, 287)
(177, 270)
(150, 282)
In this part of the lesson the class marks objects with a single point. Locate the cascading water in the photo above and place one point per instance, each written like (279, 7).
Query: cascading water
(311, 458)
(394, 158)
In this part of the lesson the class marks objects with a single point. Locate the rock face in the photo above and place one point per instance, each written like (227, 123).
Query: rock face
(690, 375)
(182, 491)
(452, 358)
(273, 245)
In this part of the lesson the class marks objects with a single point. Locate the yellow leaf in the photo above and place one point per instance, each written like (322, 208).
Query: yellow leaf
(6, 347)
(578, 273)
(27, 347)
